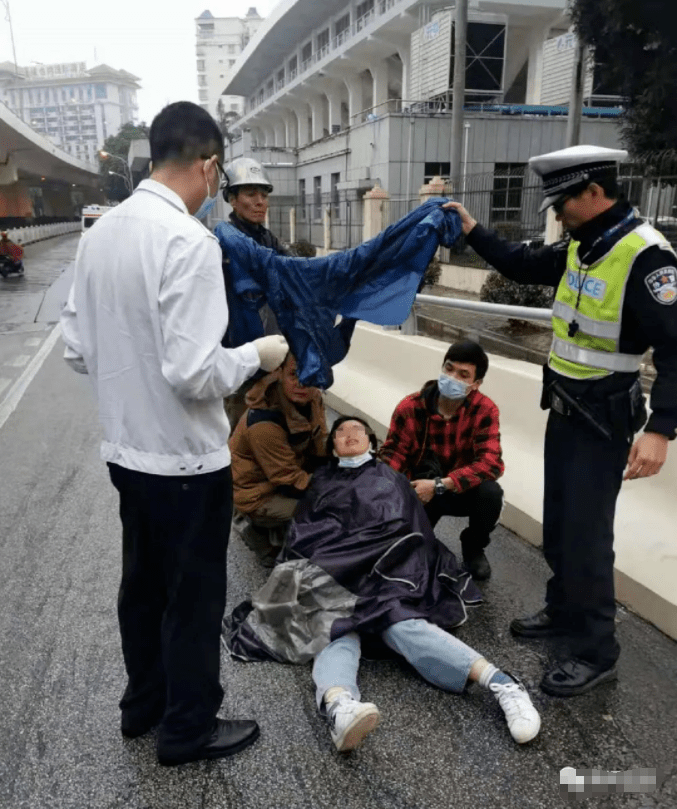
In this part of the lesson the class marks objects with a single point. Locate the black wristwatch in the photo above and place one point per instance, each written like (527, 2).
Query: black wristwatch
(440, 488)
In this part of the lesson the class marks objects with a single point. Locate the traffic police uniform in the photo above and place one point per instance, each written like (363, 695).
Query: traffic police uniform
(616, 281)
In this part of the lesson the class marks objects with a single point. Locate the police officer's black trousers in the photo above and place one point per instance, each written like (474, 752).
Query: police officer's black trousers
(172, 598)
(583, 475)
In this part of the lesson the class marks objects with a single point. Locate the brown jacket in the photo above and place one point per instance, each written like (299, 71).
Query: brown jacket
(275, 447)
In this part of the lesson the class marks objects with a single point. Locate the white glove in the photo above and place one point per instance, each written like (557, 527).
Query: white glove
(272, 351)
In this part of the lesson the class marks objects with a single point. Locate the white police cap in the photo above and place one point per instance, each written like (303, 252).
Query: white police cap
(569, 170)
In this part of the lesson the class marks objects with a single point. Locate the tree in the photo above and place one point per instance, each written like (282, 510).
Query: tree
(115, 187)
(226, 120)
(636, 50)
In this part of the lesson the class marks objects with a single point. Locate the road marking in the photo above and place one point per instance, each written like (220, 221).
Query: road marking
(22, 383)
(19, 361)
(4, 383)
(32, 342)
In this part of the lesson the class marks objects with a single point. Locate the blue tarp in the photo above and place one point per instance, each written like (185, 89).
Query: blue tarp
(376, 281)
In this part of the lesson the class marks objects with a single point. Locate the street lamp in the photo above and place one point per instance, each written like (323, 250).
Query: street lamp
(128, 175)
(125, 178)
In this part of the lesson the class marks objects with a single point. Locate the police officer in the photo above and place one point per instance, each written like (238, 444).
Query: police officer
(616, 282)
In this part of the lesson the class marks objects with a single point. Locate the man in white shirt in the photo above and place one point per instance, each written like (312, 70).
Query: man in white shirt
(145, 318)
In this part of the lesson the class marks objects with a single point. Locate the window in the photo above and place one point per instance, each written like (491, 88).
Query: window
(203, 95)
(100, 90)
(317, 197)
(364, 12)
(201, 65)
(302, 198)
(342, 28)
(231, 62)
(232, 49)
(335, 200)
(436, 170)
(323, 43)
(306, 54)
(234, 108)
(202, 81)
(506, 198)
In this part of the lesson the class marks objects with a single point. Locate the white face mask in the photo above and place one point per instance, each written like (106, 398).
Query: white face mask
(209, 201)
(353, 461)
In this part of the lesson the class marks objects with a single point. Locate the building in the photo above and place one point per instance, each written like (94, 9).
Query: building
(76, 108)
(218, 43)
(341, 95)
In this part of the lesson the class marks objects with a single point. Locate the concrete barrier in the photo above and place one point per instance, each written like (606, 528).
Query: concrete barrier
(36, 233)
(384, 366)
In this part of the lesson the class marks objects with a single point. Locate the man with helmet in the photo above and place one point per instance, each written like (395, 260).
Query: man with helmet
(246, 190)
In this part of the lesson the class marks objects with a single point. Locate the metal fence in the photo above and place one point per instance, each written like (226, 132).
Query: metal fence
(506, 200)
(346, 217)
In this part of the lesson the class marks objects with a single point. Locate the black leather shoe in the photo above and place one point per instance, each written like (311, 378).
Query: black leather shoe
(575, 676)
(540, 625)
(477, 565)
(230, 736)
(133, 726)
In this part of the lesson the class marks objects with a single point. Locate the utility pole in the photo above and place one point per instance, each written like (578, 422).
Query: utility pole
(576, 98)
(8, 17)
(458, 88)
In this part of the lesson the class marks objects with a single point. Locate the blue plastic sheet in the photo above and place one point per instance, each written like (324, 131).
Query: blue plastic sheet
(376, 281)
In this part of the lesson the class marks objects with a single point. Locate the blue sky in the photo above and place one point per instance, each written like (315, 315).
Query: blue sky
(141, 37)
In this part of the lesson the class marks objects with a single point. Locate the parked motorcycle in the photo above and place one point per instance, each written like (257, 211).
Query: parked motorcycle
(9, 266)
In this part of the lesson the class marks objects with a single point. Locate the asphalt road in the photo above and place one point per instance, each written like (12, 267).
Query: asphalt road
(61, 670)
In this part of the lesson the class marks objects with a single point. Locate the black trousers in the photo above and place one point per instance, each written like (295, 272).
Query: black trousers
(583, 476)
(172, 598)
(482, 504)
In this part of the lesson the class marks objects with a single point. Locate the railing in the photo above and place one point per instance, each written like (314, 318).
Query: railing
(383, 7)
(36, 233)
(500, 309)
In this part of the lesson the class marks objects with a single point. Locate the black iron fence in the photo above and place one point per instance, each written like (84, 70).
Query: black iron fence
(345, 211)
(506, 200)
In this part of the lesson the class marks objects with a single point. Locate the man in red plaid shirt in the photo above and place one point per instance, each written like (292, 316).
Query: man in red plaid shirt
(446, 440)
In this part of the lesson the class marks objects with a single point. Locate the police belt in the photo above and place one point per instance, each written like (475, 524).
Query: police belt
(565, 404)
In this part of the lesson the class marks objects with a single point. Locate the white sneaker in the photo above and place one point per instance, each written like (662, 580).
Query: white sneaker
(522, 718)
(350, 721)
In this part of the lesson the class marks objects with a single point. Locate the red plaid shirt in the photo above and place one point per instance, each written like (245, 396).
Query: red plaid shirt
(468, 445)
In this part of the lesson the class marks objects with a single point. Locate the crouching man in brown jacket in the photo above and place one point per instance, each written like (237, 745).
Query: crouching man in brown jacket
(276, 446)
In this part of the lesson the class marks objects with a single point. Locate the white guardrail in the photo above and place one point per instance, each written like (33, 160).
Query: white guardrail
(36, 233)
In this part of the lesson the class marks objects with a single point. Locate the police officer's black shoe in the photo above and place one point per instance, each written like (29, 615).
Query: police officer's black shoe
(477, 565)
(576, 676)
(540, 625)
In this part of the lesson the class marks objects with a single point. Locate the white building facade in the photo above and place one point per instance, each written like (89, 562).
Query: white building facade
(343, 96)
(218, 43)
(75, 108)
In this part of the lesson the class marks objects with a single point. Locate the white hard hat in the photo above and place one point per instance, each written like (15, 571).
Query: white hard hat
(245, 171)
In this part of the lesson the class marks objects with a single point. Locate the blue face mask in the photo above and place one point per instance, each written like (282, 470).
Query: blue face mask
(209, 202)
(354, 461)
(452, 388)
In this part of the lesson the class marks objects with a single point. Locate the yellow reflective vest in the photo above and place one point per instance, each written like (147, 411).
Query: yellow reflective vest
(592, 352)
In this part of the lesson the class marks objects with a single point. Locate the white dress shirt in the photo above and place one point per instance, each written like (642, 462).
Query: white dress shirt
(145, 318)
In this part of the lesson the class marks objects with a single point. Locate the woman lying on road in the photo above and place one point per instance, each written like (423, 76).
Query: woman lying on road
(362, 565)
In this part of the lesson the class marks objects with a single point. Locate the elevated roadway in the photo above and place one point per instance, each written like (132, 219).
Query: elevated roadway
(30, 161)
